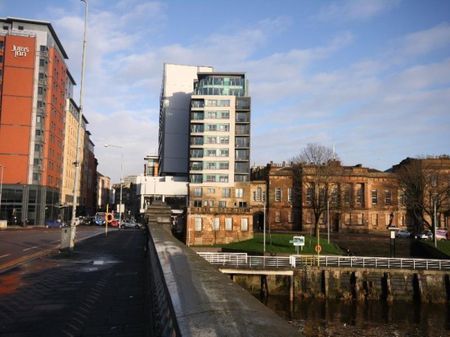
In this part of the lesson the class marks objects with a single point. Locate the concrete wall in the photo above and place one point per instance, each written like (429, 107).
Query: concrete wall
(192, 298)
(359, 284)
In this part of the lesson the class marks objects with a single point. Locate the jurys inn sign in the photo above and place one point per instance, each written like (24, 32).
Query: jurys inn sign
(20, 51)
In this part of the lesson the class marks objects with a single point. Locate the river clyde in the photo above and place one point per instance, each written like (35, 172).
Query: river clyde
(372, 318)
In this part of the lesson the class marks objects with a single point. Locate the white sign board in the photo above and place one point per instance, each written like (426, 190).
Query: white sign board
(298, 241)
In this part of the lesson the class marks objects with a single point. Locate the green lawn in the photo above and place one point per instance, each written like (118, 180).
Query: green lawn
(279, 244)
(442, 245)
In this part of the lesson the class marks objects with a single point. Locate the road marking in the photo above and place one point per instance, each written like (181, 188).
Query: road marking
(34, 247)
(1, 257)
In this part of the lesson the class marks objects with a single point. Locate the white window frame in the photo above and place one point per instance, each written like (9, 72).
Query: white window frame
(198, 224)
(216, 224)
(278, 193)
(244, 224)
(228, 224)
(239, 192)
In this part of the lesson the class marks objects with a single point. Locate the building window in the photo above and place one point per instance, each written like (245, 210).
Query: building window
(197, 203)
(374, 197)
(20, 27)
(244, 224)
(277, 216)
(360, 195)
(228, 224)
(289, 194)
(309, 195)
(222, 204)
(211, 190)
(290, 217)
(226, 192)
(239, 193)
(387, 197)
(257, 195)
(277, 194)
(348, 195)
(198, 224)
(216, 224)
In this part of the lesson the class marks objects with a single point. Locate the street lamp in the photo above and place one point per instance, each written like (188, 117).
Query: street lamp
(121, 178)
(328, 219)
(264, 223)
(80, 120)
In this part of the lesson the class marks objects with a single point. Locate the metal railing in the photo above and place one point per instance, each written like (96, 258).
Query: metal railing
(242, 260)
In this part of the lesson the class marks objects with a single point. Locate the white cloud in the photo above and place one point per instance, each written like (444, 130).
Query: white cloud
(350, 10)
(424, 42)
(379, 98)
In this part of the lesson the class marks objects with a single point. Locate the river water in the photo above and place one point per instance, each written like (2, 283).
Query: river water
(374, 318)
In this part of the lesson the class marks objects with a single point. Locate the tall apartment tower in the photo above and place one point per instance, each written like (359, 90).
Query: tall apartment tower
(219, 160)
(34, 85)
(177, 88)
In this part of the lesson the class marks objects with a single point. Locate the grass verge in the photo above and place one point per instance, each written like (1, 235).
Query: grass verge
(279, 244)
(442, 245)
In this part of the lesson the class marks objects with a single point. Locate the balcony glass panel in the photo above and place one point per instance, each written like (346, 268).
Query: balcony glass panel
(196, 178)
(197, 128)
(242, 167)
(196, 166)
(197, 116)
(196, 140)
(196, 153)
(197, 103)
(243, 103)
(242, 142)
(242, 117)
(242, 129)
(242, 154)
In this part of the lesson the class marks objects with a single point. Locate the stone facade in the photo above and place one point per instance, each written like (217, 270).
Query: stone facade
(363, 199)
(218, 215)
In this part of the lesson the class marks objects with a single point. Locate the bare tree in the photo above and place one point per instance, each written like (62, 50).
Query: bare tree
(425, 184)
(314, 167)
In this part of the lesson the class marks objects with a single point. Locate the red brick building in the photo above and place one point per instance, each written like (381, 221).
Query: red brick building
(34, 85)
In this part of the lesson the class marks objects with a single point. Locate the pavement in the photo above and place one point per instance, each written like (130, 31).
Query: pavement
(98, 290)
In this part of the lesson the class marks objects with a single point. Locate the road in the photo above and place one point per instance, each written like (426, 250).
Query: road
(97, 290)
(23, 244)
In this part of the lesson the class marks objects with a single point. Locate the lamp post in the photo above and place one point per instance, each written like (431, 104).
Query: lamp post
(328, 219)
(264, 223)
(80, 120)
(434, 220)
(1, 190)
(121, 178)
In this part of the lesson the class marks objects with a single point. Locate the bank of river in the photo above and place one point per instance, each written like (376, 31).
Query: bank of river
(374, 318)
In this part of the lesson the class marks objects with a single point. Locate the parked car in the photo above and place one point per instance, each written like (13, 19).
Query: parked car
(425, 235)
(130, 224)
(402, 233)
(55, 224)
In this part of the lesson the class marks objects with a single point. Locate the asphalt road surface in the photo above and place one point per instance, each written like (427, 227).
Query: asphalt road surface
(97, 290)
(21, 244)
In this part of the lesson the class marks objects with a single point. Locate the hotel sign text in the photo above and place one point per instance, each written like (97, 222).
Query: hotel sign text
(20, 51)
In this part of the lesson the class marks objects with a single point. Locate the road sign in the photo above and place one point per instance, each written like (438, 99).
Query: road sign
(318, 248)
(298, 241)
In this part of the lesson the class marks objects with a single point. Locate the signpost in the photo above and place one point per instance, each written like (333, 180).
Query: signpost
(298, 241)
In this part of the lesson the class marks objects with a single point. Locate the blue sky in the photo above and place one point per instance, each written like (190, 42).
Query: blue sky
(369, 77)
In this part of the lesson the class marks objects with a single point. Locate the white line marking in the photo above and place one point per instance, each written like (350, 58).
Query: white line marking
(34, 247)
(1, 257)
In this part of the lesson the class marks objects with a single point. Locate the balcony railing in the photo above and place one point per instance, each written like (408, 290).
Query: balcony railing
(221, 210)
